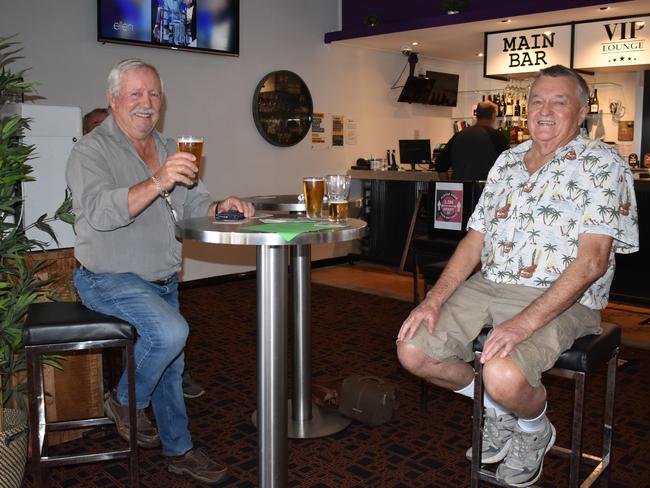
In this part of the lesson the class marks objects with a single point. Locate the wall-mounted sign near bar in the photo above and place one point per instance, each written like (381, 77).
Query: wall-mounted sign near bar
(612, 43)
(526, 51)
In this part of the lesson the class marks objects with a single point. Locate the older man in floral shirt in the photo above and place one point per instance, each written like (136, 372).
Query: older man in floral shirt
(553, 212)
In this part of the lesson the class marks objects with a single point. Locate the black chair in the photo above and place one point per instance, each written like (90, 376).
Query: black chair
(585, 357)
(58, 327)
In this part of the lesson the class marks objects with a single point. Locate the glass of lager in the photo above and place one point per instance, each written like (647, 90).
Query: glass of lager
(338, 189)
(193, 145)
(313, 188)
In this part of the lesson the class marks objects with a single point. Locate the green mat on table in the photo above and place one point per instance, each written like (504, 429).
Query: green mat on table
(289, 230)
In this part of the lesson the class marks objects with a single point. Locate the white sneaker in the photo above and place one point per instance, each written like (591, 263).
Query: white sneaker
(523, 464)
(497, 435)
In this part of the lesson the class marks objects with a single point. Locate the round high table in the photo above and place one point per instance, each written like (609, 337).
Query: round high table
(272, 316)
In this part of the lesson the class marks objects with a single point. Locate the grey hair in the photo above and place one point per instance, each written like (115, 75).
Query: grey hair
(558, 70)
(122, 67)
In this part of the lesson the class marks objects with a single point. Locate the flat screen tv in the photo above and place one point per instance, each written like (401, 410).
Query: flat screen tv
(210, 26)
(434, 89)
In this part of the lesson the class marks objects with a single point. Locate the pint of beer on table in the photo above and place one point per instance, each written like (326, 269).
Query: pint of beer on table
(338, 189)
(313, 190)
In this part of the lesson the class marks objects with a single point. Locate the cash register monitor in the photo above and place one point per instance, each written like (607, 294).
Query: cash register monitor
(415, 151)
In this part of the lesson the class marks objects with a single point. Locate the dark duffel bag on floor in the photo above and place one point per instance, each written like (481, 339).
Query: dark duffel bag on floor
(368, 399)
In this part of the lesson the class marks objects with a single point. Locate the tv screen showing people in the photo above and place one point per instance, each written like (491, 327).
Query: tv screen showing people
(206, 25)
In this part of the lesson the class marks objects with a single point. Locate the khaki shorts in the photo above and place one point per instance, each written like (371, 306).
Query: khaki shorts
(478, 302)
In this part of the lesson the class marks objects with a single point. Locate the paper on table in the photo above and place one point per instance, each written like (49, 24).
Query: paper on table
(289, 230)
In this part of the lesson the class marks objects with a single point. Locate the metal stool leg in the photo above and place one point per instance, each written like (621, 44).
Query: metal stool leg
(576, 429)
(477, 421)
(133, 431)
(36, 394)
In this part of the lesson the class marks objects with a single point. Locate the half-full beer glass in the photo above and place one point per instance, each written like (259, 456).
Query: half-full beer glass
(338, 189)
(193, 145)
(314, 189)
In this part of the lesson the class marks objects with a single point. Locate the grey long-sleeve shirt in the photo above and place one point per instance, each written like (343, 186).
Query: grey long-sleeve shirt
(102, 167)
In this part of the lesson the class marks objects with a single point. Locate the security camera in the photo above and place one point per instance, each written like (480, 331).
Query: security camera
(406, 50)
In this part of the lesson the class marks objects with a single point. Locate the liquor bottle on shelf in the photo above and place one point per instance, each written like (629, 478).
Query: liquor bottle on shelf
(517, 109)
(594, 106)
(509, 106)
(524, 107)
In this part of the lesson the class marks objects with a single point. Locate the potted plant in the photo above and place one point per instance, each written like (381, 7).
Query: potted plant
(20, 284)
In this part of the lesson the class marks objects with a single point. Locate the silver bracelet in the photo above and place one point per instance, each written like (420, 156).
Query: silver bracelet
(159, 187)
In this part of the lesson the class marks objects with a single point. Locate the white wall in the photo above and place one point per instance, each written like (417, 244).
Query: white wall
(212, 95)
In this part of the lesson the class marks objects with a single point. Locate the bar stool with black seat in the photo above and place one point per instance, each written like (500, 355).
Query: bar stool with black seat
(57, 327)
(584, 358)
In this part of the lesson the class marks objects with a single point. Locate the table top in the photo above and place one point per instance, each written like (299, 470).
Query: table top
(205, 229)
(287, 203)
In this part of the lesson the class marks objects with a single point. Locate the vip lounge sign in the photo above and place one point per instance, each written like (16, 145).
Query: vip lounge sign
(611, 43)
(527, 51)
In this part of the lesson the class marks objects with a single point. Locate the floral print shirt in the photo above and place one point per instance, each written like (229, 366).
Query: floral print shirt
(531, 223)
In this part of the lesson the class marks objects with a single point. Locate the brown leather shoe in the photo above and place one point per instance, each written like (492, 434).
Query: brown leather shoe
(147, 435)
(199, 466)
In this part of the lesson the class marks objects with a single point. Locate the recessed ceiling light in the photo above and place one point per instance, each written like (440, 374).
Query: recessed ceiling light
(506, 21)
(604, 8)
(415, 43)
(479, 55)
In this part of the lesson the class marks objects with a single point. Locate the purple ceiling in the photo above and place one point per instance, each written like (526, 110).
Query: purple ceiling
(404, 15)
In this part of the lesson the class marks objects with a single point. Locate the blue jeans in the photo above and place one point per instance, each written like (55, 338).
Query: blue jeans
(162, 331)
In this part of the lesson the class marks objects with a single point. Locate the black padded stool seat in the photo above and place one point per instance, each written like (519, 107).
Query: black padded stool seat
(59, 322)
(585, 356)
(57, 327)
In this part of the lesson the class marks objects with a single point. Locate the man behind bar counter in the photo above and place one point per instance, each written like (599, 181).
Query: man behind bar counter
(553, 213)
(471, 152)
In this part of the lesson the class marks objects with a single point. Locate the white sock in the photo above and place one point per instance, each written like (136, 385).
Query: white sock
(533, 425)
(488, 402)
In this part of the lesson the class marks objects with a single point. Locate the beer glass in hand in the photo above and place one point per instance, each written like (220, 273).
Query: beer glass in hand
(193, 145)
(338, 189)
(314, 189)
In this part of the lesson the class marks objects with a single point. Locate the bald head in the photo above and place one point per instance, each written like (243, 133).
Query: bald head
(486, 113)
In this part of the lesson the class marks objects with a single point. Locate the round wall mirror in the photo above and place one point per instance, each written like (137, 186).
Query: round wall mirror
(282, 108)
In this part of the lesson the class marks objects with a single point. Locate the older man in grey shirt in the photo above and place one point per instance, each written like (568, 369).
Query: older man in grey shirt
(129, 186)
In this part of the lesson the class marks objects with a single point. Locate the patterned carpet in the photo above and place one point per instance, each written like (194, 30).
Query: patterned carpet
(353, 332)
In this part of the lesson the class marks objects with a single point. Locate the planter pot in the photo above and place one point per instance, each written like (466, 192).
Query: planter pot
(13, 448)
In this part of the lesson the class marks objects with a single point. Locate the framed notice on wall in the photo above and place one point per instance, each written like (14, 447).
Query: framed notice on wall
(448, 206)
